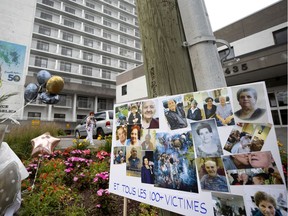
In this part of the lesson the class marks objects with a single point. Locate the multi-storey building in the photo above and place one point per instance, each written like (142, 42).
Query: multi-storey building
(87, 43)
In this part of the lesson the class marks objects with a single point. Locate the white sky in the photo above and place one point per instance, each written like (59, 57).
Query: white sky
(224, 12)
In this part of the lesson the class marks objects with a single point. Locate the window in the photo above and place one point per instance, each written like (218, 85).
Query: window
(89, 30)
(87, 56)
(41, 45)
(107, 23)
(123, 40)
(124, 90)
(34, 115)
(44, 30)
(106, 61)
(69, 23)
(48, 2)
(70, 10)
(123, 29)
(67, 36)
(123, 7)
(107, 11)
(41, 62)
(65, 100)
(106, 74)
(66, 51)
(123, 64)
(137, 45)
(102, 105)
(84, 102)
(88, 4)
(138, 56)
(88, 42)
(107, 35)
(106, 47)
(65, 66)
(59, 116)
(80, 117)
(137, 34)
(46, 16)
(122, 17)
(280, 36)
(123, 52)
(87, 71)
(278, 103)
(89, 17)
(108, 1)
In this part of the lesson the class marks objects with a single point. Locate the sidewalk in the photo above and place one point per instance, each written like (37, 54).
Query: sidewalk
(66, 142)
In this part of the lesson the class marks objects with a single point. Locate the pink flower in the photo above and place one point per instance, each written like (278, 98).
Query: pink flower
(101, 155)
(98, 206)
(100, 192)
(68, 170)
(75, 179)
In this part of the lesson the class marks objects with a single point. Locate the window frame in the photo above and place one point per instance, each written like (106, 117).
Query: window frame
(67, 36)
(44, 30)
(67, 51)
(69, 23)
(41, 62)
(87, 56)
(65, 66)
(46, 16)
(42, 45)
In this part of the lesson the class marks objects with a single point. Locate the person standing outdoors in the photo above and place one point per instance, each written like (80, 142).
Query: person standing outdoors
(90, 122)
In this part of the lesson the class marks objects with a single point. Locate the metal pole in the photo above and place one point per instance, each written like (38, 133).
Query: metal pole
(206, 64)
(125, 206)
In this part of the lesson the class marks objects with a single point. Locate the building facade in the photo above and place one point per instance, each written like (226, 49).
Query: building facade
(88, 43)
(258, 53)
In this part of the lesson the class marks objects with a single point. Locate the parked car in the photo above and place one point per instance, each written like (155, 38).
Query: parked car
(104, 125)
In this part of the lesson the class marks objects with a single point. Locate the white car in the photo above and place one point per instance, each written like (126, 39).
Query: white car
(104, 125)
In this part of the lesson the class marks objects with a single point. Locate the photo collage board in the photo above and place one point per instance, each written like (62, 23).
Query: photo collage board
(200, 153)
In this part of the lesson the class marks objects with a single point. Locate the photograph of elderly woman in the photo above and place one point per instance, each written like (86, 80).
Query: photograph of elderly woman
(206, 138)
(250, 103)
(269, 201)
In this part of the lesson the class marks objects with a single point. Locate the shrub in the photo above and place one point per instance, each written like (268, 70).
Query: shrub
(20, 136)
(107, 145)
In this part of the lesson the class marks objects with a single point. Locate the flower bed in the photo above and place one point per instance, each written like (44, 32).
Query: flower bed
(73, 182)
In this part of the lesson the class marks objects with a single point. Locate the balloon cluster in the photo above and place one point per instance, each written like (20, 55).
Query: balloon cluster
(48, 88)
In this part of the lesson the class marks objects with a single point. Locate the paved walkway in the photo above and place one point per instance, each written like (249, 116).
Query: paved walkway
(66, 142)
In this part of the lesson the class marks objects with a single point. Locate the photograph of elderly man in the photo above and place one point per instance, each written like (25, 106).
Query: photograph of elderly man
(174, 113)
(214, 178)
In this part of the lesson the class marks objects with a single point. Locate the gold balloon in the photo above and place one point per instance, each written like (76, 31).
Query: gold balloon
(55, 84)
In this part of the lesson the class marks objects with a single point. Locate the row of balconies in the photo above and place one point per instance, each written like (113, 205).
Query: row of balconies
(101, 47)
(114, 12)
(89, 40)
(74, 68)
